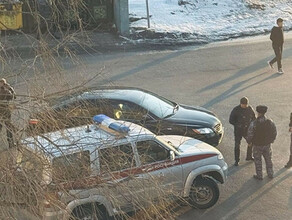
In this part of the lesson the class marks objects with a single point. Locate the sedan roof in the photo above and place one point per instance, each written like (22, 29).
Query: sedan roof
(158, 105)
(121, 93)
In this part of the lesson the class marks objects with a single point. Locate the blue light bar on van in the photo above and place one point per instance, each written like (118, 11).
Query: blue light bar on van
(111, 123)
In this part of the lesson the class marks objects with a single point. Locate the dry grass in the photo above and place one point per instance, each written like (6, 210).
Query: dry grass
(23, 191)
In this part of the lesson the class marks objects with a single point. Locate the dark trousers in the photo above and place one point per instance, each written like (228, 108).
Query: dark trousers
(238, 135)
(9, 132)
(278, 49)
(5, 118)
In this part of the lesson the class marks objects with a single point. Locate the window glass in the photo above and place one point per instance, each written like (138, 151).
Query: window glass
(116, 158)
(150, 152)
(128, 111)
(67, 116)
(158, 106)
(81, 109)
(71, 167)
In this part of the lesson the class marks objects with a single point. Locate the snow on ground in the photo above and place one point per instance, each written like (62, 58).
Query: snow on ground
(211, 19)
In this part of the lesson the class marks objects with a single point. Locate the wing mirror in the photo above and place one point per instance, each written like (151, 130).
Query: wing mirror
(172, 155)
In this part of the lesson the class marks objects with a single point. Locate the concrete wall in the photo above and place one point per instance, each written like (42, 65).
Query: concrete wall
(121, 16)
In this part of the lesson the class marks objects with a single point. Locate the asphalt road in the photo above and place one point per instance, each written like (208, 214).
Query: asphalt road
(216, 77)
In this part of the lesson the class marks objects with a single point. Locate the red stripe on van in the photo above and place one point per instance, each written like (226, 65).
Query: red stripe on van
(92, 181)
(196, 158)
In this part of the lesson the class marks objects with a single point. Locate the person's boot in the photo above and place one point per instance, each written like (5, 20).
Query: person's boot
(289, 164)
(236, 154)
(280, 71)
(270, 65)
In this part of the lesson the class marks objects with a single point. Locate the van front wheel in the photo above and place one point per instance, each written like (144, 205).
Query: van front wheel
(204, 193)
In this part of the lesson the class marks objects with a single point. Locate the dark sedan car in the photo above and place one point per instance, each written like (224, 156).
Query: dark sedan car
(154, 112)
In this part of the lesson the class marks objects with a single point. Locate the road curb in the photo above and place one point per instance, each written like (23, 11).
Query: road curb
(29, 52)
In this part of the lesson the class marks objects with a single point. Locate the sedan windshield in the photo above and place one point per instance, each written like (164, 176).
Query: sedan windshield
(158, 106)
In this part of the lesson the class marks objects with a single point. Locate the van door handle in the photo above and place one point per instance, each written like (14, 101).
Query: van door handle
(138, 176)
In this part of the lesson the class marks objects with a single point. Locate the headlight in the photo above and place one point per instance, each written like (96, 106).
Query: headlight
(220, 156)
(203, 130)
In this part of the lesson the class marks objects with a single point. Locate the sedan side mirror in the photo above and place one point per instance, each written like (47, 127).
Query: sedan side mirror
(172, 155)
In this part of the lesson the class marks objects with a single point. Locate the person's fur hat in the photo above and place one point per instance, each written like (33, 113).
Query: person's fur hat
(244, 100)
(261, 109)
(3, 80)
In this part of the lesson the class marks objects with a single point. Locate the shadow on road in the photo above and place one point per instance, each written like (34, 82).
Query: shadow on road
(250, 69)
(255, 199)
(235, 89)
(141, 67)
(234, 169)
(241, 200)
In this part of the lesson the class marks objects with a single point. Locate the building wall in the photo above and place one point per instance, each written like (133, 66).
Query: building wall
(121, 16)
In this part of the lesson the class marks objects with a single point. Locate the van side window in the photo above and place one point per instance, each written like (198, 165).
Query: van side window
(116, 158)
(71, 167)
(150, 152)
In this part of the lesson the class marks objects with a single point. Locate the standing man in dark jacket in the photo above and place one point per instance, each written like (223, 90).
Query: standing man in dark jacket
(240, 118)
(277, 37)
(261, 133)
(6, 94)
(289, 164)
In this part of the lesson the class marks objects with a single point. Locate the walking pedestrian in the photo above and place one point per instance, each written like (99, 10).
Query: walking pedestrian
(277, 37)
(261, 133)
(289, 164)
(241, 117)
(7, 93)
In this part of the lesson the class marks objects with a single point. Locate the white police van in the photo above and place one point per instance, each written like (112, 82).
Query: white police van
(113, 167)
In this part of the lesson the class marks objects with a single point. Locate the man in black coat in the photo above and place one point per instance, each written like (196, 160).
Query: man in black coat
(240, 117)
(7, 93)
(261, 134)
(277, 37)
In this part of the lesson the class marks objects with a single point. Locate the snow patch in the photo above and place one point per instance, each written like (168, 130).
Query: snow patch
(210, 20)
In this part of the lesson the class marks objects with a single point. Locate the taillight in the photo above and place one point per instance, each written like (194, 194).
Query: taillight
(33, 121)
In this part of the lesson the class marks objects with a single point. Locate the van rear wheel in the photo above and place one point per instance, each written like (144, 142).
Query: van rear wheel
(204, 193)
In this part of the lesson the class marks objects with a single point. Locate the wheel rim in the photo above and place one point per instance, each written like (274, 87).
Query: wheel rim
(89, 217)
(202, 195)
